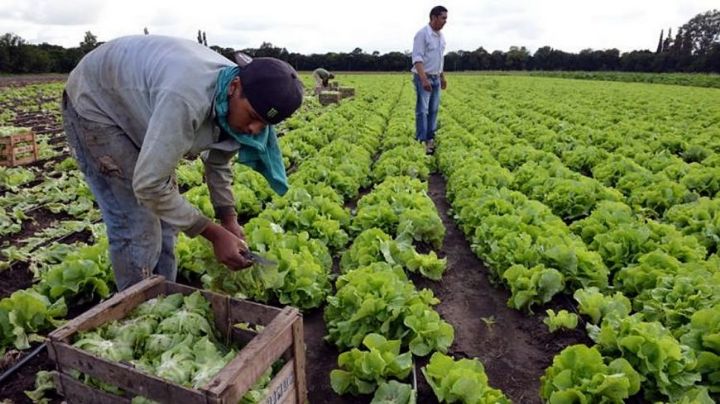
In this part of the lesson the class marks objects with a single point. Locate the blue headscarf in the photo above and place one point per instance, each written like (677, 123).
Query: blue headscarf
(260, 152)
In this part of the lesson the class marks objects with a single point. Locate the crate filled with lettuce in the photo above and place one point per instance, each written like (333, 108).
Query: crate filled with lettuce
(17, 146)
(165, 342)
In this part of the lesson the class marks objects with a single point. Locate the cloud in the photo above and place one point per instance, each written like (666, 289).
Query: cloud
(321, 26)
(50, 12)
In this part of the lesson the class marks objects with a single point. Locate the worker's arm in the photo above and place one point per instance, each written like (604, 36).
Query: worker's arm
(169, 136)
(418, 56)
(443, 82)
(219, 176)
(423, 78)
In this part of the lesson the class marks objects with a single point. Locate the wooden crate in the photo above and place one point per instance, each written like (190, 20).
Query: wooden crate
(346, 92)
(281, 337)
(329, 97)
(15, 145)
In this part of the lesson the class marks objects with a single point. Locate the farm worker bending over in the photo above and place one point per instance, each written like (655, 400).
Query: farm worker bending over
(136, 106)
(322, 79)
(428, 76)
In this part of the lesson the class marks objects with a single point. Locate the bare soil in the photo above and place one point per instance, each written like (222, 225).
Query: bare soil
(19, 80)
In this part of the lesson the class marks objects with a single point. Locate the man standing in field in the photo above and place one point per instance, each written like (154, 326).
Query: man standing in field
(134, 107)
(428, 77)
(322, 79)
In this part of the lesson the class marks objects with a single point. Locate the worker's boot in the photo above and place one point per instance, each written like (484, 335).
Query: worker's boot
(430, 146)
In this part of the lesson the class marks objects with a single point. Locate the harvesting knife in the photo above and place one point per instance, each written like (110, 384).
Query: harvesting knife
(256, 258)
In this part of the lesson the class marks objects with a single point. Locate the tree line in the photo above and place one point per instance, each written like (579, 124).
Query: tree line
(695, 47)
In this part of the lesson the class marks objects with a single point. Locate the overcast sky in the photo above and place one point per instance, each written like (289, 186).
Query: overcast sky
(372, 25)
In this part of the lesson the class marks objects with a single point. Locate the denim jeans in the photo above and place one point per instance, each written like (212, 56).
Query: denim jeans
(426, 108)
(140, 243)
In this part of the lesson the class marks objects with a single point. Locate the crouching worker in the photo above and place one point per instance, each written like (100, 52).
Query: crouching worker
(322, 79)
(134, 107)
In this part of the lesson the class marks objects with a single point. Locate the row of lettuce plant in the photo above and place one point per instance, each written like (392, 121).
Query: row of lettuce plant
(376, 312)
(654, 163)
(672, 287)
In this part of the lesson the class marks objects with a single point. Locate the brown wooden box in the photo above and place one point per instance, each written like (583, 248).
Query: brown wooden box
(329, 97)
(346, 92)
(281, 337)
(11, 147)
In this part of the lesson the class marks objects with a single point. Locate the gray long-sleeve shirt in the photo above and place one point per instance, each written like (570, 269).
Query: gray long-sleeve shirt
(160, 91)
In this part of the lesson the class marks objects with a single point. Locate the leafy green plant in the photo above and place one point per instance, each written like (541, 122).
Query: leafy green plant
(379, 299)
(26, 313)
(536, 285)
(563, 319)
(374, 245)
(462, 381)
(598, 306)
(580, 374)
(394, 392)
(361, 371)
(667, 366)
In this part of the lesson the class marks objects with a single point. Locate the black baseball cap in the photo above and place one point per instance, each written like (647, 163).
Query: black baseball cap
(271, 85)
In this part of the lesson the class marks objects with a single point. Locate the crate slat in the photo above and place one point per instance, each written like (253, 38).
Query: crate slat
(242, 372)
(243, 311)
(115, 308)
(299, 360)
(76, 392)
(126, 377)
(282, 388)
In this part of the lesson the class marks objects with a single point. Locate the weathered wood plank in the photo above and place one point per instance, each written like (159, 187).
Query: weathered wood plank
(282, 389)
(243, 311)
(242, 372)
(117, 307)
(76, 392)
(125, 377)
(299, 359)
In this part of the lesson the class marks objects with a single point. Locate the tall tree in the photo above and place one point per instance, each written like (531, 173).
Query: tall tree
(10, 52)
(201, 38)
(660, 43)
(88, 43)
(517, 58)
(704, 31)
(667, 44)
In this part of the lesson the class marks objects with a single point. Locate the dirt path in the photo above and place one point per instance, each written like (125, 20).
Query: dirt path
(515, 348)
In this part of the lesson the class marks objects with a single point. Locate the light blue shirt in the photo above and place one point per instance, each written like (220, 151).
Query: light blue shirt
(429, 48)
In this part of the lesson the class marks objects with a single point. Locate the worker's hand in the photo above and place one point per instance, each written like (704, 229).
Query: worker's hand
(230, 223)
(426, 84)
(227, 246)
(443, 83)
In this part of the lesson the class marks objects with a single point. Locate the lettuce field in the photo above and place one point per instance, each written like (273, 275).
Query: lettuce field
(560, 245)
